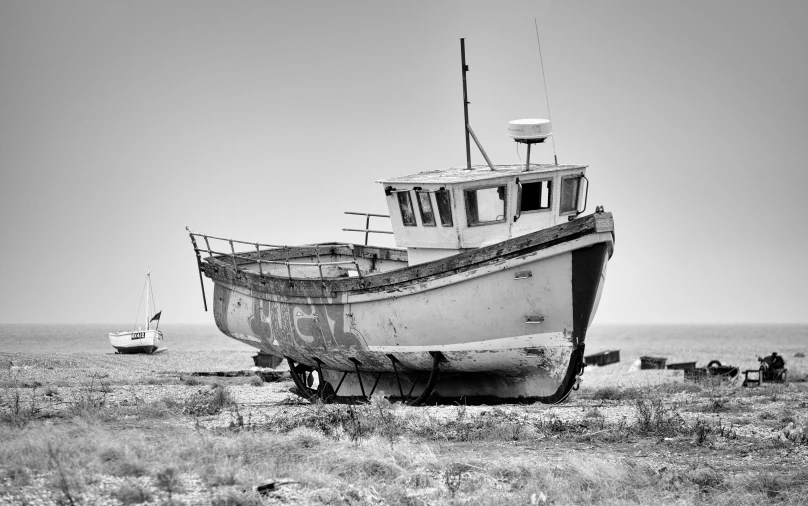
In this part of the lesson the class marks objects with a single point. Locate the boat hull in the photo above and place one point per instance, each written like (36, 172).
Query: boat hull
(142, 341)
(509, 328)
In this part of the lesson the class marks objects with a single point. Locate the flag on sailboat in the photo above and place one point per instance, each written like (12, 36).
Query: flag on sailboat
(156, 317)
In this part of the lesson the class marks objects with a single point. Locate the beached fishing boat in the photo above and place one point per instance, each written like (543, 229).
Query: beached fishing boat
(488, 295)
(142, 340)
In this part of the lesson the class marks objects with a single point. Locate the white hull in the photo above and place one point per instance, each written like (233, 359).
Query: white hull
(142, 341)
(504, 321)
(478, 320)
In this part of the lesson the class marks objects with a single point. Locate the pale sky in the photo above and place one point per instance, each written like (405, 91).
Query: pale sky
(123, 122)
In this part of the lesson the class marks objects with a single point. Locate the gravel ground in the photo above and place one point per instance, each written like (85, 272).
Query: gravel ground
(56, 382)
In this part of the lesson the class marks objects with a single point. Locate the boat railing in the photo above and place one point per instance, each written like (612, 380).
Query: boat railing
(367, 230)
(248, 257)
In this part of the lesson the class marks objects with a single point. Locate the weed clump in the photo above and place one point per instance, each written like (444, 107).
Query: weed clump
(236, 498)
(701, 432)
(18, 476)
(223, 477)
(518, 476)
(372, 469)
(616, 394)
(420, 479)
(331, 420)
(383, 420)
(92, 396)
(119, 464)
(654, 418)
(209, 402)
(132, 493)
(169, 480)
(706, 478)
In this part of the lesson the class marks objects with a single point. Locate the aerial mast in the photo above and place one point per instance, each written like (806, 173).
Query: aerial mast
(465, 102)
(469, 130)
(148, 297)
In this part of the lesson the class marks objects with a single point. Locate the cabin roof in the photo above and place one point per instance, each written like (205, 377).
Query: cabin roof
(477, 173)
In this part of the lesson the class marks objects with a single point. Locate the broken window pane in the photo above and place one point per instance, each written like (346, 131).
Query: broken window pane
(536, 195)
(407, 213)
(569, 194)
(486, 205)
(444, 207)
(425, 206)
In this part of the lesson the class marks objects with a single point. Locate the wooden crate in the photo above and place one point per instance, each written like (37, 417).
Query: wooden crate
(603, 358)
(652, 362)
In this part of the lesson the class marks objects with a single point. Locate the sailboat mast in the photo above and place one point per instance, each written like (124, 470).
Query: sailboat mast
(148, 297)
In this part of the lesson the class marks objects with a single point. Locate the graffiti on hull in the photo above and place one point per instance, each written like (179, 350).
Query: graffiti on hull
(311, 327)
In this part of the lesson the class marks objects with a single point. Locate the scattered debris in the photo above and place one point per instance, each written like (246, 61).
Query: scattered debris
(603, 358)
(683, 366)
(716, 368)
(271, 486)
(224, 374)
(263, 359)
(652, 362)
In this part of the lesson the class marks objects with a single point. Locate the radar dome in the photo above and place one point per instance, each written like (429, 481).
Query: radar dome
(529, 129)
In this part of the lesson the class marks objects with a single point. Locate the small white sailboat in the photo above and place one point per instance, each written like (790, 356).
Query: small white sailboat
(140, 340)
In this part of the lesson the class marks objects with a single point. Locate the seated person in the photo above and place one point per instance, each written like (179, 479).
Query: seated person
(773, 361)
(770, 364)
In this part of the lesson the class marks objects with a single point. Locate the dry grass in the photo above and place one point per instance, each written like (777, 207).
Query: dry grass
(663, 444)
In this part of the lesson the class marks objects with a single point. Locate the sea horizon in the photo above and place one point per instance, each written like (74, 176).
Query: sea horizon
(679, 340)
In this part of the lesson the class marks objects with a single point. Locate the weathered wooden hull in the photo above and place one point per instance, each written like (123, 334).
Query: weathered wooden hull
(509, 322)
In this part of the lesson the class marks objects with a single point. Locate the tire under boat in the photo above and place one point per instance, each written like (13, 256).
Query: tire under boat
(502, 322)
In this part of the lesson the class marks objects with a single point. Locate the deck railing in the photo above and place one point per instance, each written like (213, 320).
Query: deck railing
(367, 229)
(261, 248)
(214, 255)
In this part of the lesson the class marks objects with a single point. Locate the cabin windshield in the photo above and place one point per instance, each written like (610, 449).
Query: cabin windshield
(407, 213)
(425, 206)
(569, 194)
(444, 207)
(536, 196)
(485, 205)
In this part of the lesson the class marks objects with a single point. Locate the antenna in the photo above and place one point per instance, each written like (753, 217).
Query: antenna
(466, 114)
(544, 79)
(465, 101)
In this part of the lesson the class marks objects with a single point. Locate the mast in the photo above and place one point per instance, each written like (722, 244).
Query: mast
(148, 297)
(465, 69)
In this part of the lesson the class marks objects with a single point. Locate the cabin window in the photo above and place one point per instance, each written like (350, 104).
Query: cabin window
(425, 206)
(444, 207)
(407, 213)
(486, 205)
(536, 196)
(569, 194)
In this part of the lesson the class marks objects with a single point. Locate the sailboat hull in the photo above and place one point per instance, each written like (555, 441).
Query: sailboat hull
(144, 341)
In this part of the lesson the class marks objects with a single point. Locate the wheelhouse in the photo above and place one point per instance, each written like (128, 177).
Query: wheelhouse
(440, 213)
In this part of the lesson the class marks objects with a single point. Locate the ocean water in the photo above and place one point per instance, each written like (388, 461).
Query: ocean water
(93, 338)
(734, 344)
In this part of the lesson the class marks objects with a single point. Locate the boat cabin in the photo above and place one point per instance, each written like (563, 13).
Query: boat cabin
(440, 213)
